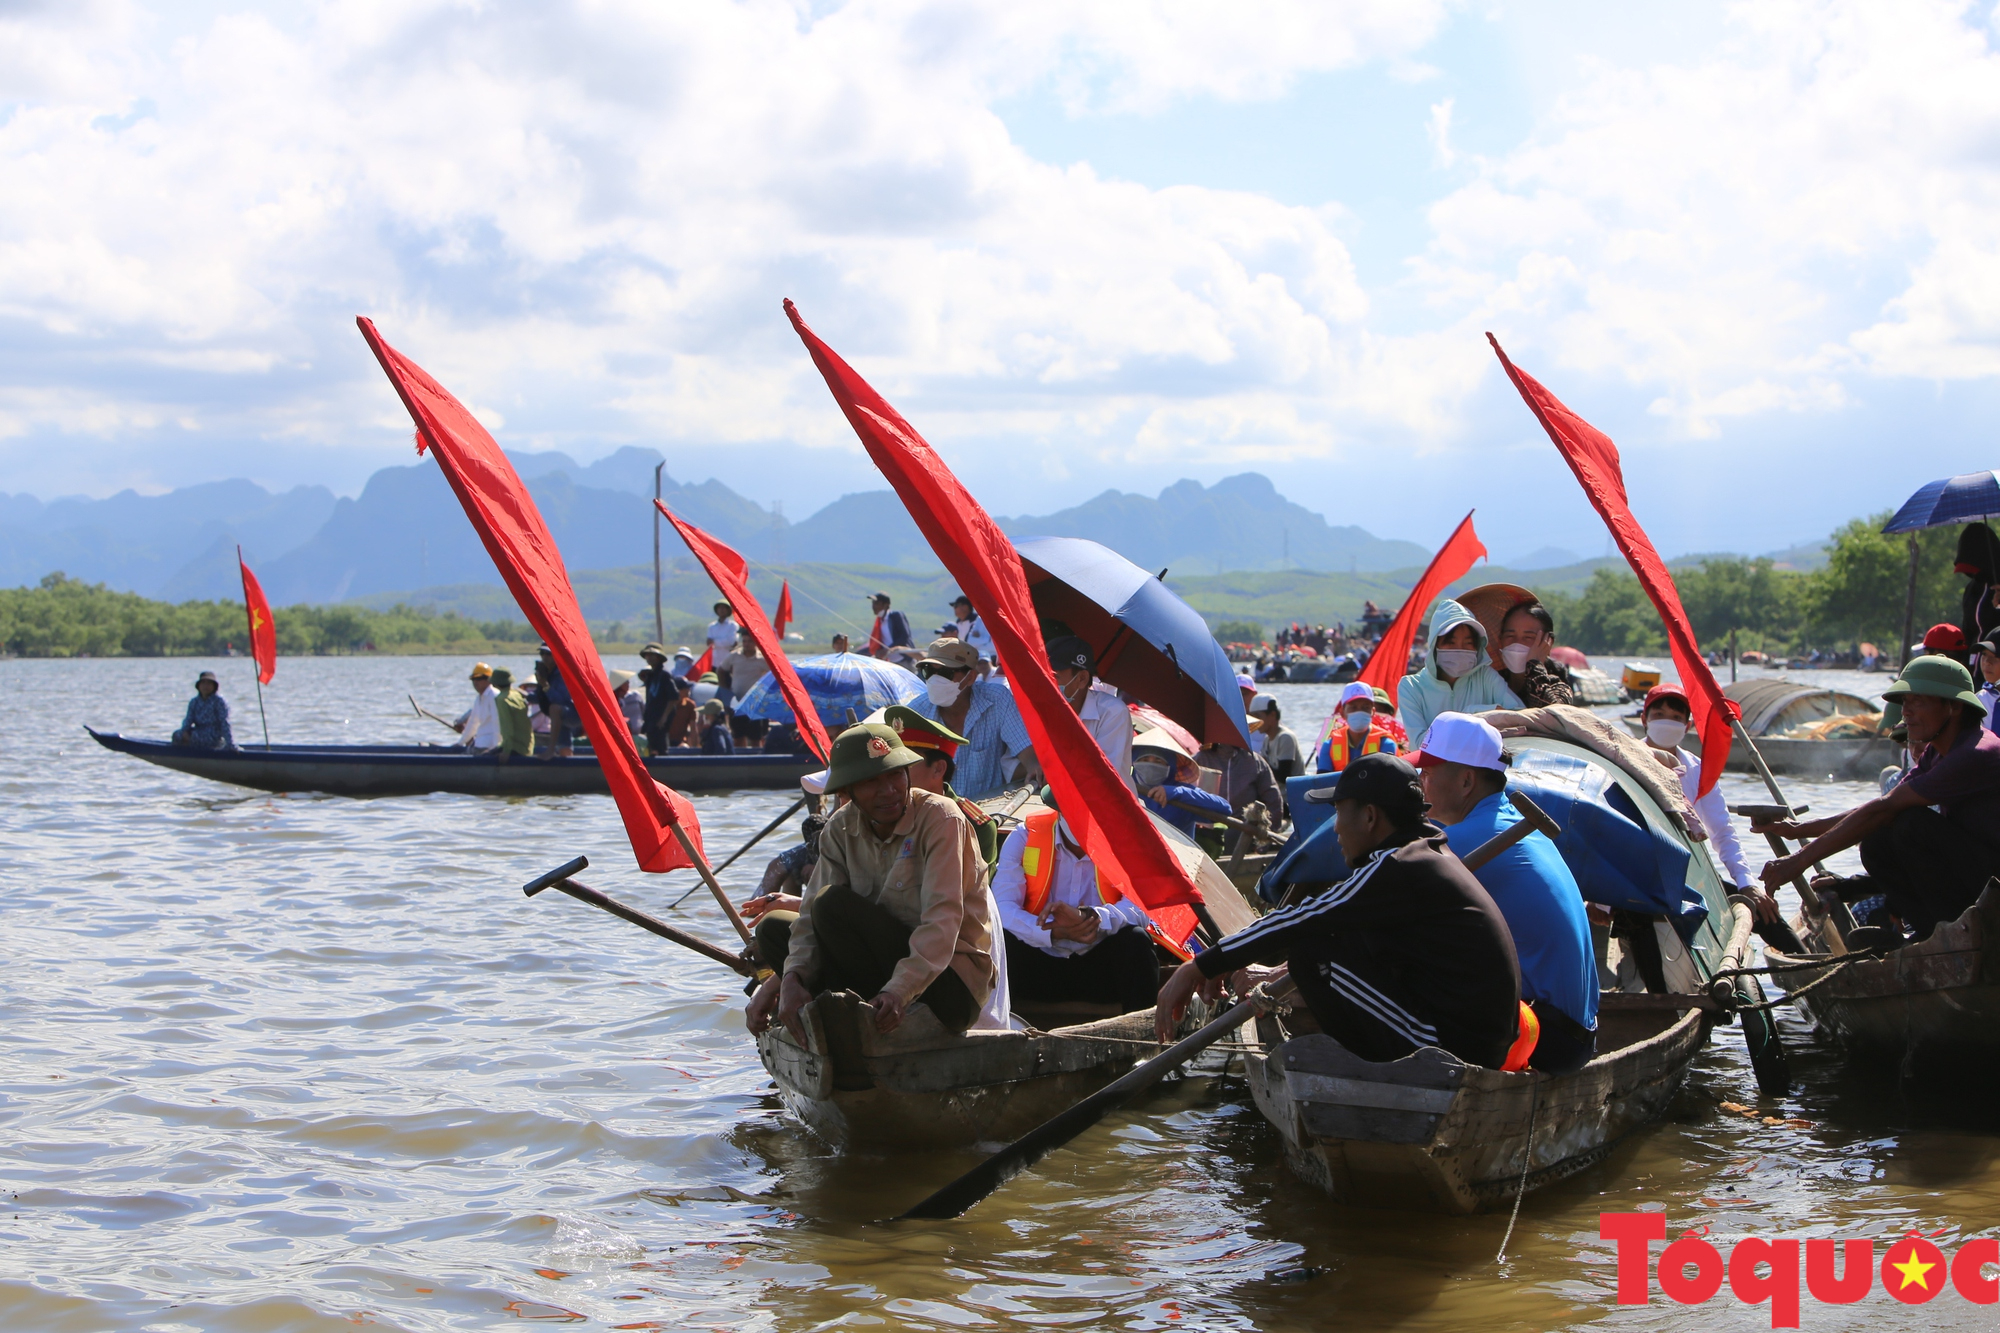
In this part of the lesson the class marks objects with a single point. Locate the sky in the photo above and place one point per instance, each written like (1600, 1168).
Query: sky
(1080, 246)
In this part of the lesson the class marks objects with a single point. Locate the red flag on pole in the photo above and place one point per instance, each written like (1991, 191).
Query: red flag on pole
(1387, 664)
(1099, 807)
(783, 616)
(730, 573)
(706, 662)
(1594, 459)
(525, 554)
(263, 630)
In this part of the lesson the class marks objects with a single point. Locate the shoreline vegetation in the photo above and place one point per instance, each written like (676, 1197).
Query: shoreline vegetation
(1856, 596)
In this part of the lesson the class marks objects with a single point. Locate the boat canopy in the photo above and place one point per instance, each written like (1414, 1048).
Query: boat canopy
(1775, 707)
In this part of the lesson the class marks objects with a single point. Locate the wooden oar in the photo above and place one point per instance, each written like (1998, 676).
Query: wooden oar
(425, 712)
(559, 879)
(790, 810)
(1037, 1143)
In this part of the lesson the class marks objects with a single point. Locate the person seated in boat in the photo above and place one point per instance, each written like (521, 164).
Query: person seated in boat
(1405, 951)
(983, 711)
(206, 726)
(1245, 777)
(840, 644)
(1070, 937)
(517, 735)
(1456, 677)
(897, 909)
(1943, 640)
(968, 628)
(1104, 715)
(1931, 842)
(1527, 637)
(714, 723)
(631, 704)
(1170, 782)
(479, 725)
(937, 750)
(889, 637)
(1464, 769)
(1354, 729)
(1665, 714)
(553, 696)
(1271, 738)
(1988, 660)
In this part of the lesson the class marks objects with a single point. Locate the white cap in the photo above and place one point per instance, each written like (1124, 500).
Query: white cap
(1263, 703)
(1460, 738)
(1356, 690)
(814, 784)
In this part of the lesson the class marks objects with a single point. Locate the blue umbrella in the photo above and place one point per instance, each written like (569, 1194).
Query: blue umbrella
(1966, 499)
(836, 682)
(1147, 641)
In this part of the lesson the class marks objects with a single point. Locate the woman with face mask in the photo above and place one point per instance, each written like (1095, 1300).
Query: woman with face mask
(1456, 676)
(1665, 715)
(1527, 633)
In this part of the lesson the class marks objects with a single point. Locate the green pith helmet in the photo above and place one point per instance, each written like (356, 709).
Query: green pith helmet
(503, 679)
(903, 719)
(1939, 676)
(866, 751)
(1047, 796)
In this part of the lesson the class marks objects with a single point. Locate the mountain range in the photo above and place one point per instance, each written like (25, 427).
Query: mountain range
(405, 531)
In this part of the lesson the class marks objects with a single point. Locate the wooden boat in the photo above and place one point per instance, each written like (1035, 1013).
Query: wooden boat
(1782, 715)
(410, 770)
(923, 1086)
(1931, 1008)
(1429, 1132)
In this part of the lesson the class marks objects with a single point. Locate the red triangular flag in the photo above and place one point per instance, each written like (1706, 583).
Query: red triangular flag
(525, 554)
(783, 616)
(1387, 666)
(1100, 808)
(1594, 459)
(263, 630)
(706, 662)
(727, 569)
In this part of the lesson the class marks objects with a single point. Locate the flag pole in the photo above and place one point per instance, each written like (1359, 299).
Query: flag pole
(257, 671)
(659, 616)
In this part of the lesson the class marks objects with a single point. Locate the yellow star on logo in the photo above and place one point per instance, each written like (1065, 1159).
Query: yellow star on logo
(1913, 1270)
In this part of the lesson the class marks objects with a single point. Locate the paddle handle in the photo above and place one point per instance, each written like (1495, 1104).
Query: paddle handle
(1533, 820)
(714, 885)
(559, 879)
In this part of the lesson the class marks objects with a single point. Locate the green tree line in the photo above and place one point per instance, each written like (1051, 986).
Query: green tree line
(65, 617)
(1858, 596)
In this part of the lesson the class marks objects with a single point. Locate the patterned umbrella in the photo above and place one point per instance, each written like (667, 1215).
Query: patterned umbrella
(836, 682)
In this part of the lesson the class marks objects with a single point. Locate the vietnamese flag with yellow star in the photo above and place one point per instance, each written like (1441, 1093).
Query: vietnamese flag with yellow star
(263, 631)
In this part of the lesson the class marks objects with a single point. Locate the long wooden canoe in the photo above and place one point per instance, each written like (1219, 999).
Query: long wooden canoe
(923, 1086)
(1932, 1008)
(409, 770)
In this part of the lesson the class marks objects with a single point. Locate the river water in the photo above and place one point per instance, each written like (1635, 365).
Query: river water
(309, 1063)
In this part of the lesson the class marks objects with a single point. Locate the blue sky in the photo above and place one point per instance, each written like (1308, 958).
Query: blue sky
(1081, 247)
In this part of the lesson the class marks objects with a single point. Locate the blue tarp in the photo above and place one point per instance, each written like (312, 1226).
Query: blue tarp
(1618, 859)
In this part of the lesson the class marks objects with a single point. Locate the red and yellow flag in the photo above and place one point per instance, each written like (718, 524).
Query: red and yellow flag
(263, 631)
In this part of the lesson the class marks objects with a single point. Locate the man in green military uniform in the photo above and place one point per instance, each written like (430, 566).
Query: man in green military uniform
(517, 734)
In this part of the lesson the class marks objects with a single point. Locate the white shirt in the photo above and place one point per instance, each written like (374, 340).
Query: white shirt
(481, 728)
(1714, 811)
(1109, 722)
(973, 634)
(722, 638)
(1075, 883)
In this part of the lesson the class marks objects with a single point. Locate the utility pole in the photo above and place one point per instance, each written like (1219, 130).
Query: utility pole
(659, 616)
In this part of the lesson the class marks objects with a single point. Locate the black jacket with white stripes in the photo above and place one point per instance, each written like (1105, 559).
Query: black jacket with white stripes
(1428, 931)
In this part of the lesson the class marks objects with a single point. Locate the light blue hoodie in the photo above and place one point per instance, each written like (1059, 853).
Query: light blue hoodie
(1425, 694)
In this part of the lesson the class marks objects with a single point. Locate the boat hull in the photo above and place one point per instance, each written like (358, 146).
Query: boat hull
(411, 770)
(923, 1087)
(1428, 1133)
(1932, 1009)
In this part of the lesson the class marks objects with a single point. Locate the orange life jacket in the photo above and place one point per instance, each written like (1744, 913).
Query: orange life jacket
(1523, 1048)
(1038, 864)
(1336, 744)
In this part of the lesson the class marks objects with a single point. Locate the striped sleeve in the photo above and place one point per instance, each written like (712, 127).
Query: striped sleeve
(1270, 934)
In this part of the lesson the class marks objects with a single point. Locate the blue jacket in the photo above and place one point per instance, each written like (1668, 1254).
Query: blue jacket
(1424, 694)
(1184, 820)
(1544, 910)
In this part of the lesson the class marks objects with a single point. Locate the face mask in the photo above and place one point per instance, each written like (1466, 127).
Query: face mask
(1665, 732)
(1515, 655)
(943, 690)
(1359, 719)
(1149, 776)
(1456, 662)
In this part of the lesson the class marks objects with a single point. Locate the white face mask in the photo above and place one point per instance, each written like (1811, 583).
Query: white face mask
(1665, 732)
(1359, 719)
(1149, 776)
(1457, 662)
(943, 690)
(1515, 655)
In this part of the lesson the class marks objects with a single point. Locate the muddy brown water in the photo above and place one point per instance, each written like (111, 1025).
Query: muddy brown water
(276, 1063)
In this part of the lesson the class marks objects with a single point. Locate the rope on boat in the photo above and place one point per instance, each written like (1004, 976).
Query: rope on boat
(1833, 968)
(1527, 1160)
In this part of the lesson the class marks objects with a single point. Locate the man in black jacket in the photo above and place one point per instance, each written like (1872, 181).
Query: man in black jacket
(1406, 951)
